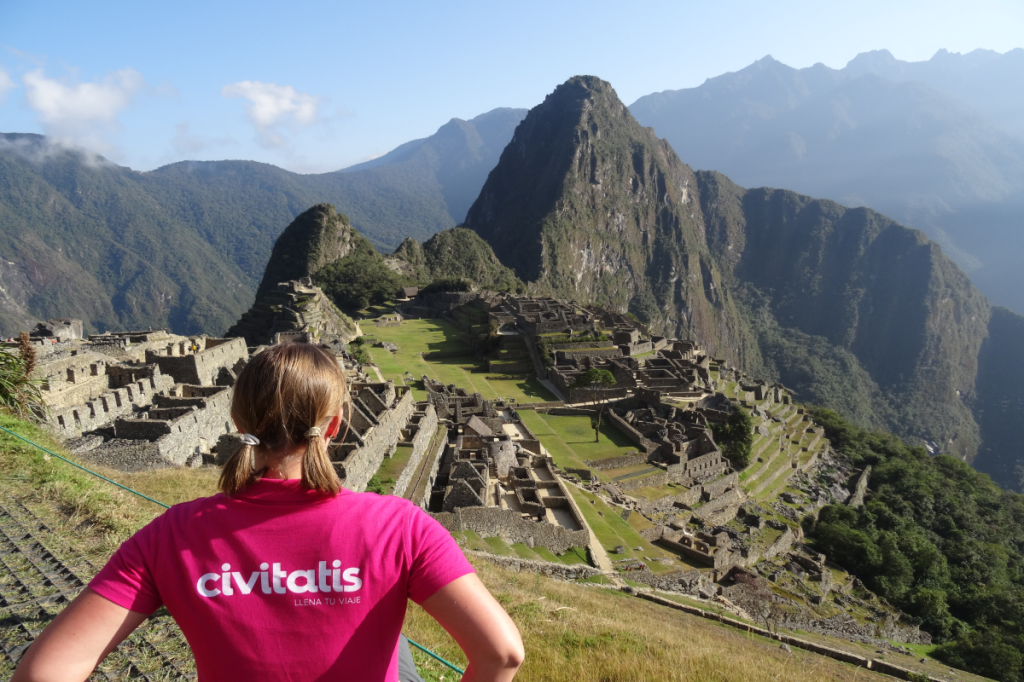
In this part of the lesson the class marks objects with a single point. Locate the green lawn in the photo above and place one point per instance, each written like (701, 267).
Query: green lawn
(612, 531)
(414, 337)
(570, 440)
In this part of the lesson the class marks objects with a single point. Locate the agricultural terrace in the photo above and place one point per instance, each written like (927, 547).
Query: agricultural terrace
(415, 337)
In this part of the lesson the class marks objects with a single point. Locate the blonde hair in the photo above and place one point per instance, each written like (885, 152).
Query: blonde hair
(280, 395)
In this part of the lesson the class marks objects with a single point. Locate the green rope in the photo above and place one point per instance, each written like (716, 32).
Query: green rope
(165, 506)
(123, 487)
(431, 653)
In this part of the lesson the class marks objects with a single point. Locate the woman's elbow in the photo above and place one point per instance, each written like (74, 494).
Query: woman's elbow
(506, 655)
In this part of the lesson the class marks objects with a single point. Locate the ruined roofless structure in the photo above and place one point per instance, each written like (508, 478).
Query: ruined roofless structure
(495, 479)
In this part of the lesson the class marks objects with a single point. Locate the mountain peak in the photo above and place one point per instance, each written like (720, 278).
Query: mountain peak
(589, 205)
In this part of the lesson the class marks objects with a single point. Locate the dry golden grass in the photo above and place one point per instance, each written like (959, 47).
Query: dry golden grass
(574, 633)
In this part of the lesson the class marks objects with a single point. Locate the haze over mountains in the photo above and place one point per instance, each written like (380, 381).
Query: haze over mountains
(936, 145)
(185, 245)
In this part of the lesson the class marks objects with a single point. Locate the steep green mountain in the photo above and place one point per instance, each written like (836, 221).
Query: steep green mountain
(457, 253)
(917, 141)
(315, 239)
(315, 242)
(586, 204)
(80, 237)
(845, 305)
(184, 246)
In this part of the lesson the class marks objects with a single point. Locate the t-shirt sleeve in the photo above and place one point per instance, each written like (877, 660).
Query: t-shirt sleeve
(127, 579)
(436, 557)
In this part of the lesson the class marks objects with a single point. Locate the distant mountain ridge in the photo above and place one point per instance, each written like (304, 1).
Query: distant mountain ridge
(184, 246)
(931, 144)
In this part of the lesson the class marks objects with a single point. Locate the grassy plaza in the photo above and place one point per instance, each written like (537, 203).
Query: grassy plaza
(415, 337)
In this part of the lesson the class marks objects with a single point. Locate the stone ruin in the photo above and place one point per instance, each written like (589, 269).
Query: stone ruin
(495, 478)
(294, 306)
(140, 400)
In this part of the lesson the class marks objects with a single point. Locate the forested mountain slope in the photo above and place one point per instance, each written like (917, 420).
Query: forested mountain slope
(184, 246)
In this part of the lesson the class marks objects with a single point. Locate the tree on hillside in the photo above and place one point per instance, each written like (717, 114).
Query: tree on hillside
(593, 379)
(357, 281)
(737, 437)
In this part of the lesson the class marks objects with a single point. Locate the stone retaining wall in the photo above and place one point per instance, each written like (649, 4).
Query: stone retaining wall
(560, 571)
(622, 425)
(511, 528)
(877, 665)
(363, 463)
(616, 462)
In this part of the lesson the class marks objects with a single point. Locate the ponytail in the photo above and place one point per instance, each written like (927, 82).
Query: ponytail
(317, 471)
(239, 470)
(284, 394)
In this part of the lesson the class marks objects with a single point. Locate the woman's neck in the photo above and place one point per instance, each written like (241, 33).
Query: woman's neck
(282, 465)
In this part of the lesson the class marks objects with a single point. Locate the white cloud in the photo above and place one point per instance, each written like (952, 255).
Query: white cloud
(82, 113)
(6, 85)
(271, 106)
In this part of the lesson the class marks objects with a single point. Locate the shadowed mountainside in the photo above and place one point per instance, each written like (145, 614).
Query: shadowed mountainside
(930, 144)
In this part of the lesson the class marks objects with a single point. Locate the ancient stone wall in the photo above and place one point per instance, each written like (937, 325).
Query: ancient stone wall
(380, 440)
(636, 348)
(628, 460)
(201, 368)
(560, 571)
(648, 446)
(563, 357)
(70, 422)
(419, 444)
(181, 437)
(716, 488)
(511, 527)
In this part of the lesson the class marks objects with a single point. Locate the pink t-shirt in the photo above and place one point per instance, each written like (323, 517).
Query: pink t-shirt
(281, 583)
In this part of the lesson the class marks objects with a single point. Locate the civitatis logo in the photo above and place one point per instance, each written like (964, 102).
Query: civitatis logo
(275, 580)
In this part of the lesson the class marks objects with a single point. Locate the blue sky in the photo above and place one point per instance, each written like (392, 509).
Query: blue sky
(317, 86)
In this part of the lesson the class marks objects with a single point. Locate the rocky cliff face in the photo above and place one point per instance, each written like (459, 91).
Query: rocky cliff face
(999, 400)
(869, 287)
(588, 205)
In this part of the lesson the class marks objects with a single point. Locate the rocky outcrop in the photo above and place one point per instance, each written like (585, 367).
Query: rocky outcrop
(316, 238)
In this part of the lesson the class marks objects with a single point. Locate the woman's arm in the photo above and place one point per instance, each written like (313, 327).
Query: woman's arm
(81, 636)
(486, 634)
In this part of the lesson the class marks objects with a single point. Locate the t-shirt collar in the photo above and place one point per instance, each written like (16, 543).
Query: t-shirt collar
(278, 491)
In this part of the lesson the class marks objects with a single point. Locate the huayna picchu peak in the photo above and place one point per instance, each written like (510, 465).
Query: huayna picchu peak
(587, 204)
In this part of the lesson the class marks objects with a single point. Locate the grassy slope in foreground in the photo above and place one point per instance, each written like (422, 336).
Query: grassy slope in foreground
(573, 633)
